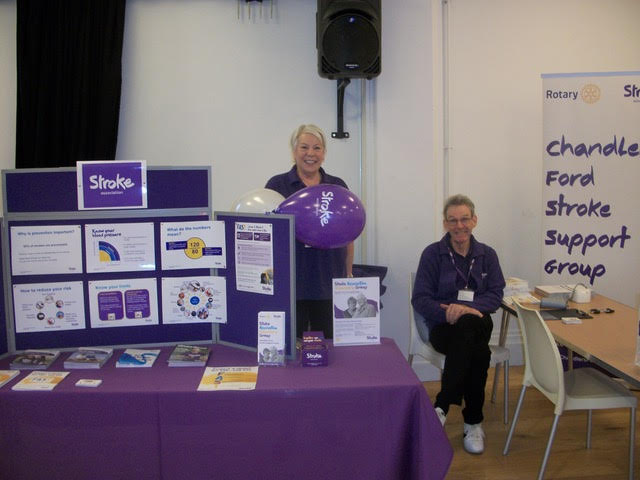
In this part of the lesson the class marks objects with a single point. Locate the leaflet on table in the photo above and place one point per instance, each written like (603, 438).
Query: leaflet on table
(123, 303)
(40, 307)
(46, 249)
(194, 300)
(229, 378)
(7, 375)
(137, 358)
(119, 247)
(271, 338)
(192, 245)
(356, 311)
(254, 257)
(40, 381)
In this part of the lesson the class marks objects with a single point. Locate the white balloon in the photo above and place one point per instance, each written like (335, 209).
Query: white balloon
(260, 200)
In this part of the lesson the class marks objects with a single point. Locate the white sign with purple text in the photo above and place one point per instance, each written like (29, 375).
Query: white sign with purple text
(119, 247)
(186, 245)
(591, 172)
(194, 300)
(42, 307)
(46, 249)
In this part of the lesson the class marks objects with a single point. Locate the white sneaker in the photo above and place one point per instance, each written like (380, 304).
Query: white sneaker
(473, 438)
(441, 415)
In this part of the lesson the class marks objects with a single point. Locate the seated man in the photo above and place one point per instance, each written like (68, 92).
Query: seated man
(458, 285)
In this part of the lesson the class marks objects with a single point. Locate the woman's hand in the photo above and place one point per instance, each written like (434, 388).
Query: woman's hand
(454, 311)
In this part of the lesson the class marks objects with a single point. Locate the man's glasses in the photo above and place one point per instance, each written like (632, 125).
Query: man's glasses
(452, 222)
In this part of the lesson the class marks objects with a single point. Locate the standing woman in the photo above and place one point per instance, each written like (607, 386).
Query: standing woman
(315, 267)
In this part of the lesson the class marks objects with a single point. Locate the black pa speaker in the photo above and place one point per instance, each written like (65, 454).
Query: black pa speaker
(348, 37)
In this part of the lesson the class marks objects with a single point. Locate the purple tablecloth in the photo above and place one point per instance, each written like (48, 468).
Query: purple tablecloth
(365, 416)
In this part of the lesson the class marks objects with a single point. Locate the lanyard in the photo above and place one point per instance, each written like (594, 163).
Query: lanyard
(459, 271)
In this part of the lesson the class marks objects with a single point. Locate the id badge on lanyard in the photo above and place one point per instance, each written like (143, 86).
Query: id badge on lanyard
(465, 294)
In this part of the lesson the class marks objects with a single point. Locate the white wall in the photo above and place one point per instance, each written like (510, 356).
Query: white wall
(202, 87)
(498, 50)
(8, 85)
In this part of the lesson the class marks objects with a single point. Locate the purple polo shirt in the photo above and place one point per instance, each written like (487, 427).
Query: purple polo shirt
(438, 279)
(315, 267)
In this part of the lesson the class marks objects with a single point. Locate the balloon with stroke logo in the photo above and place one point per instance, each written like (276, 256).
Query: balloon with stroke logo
(327, 216)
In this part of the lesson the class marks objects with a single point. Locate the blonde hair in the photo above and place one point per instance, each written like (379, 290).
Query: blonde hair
(311, 130)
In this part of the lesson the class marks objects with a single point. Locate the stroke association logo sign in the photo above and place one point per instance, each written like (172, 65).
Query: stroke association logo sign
(113, 184)
(590, 93)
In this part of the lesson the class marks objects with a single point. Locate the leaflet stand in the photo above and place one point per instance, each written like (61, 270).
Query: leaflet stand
(241, 329)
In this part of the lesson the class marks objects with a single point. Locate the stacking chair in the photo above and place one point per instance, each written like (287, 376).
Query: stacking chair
(577, 389)
(419, 345)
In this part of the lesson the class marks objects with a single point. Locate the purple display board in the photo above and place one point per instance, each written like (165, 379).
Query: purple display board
(55, 190)
(114, 335)
(243, 307)
(49, 197)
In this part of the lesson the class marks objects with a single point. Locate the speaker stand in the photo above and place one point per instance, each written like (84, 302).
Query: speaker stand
(342, 85)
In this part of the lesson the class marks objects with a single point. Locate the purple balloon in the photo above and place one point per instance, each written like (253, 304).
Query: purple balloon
(327, 216)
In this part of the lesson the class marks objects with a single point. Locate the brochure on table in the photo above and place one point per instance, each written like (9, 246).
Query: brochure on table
(356, 311)
(271, 338)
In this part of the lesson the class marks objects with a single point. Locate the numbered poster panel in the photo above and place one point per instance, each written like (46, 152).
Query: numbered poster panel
(46, 249)
(192, 245)
(194, 300)
(41, 307)
(123, 303)
(120, 247)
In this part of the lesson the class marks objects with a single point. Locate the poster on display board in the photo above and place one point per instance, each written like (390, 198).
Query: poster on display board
(194, 300)
(115, 184)
(119, 247)
(591, 154)
(123, 303)
(45, 249)
(42, 307)
(185, 245)
(254, 257)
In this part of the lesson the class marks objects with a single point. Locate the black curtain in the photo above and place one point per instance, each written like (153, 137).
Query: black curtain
(69, 75)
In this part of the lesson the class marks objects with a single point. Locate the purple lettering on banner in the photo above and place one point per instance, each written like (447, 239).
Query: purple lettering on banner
(561, 147)
(586, 240)
(561, 207)
(137, 303)
(112, 185)
(110, 306)
(574, 268)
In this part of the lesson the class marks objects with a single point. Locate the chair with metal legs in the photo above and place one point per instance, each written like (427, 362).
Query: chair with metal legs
(577, 389)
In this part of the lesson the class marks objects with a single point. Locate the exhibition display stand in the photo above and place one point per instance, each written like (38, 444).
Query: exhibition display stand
(366, 415)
